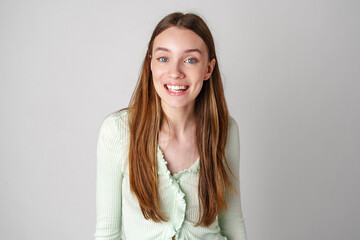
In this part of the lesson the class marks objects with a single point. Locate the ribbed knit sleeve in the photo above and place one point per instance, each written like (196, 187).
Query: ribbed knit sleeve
(109, 177)
(231, 219)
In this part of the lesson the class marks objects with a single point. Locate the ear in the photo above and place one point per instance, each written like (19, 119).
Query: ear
(209, 69)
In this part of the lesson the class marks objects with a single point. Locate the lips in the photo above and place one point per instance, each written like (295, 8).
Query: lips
(176, 89)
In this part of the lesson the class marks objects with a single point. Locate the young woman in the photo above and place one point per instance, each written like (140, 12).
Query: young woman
(167, 166)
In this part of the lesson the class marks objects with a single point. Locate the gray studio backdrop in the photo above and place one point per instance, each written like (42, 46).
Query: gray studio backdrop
(291, 72)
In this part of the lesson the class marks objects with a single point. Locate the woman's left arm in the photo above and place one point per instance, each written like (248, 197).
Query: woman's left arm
(231, 220)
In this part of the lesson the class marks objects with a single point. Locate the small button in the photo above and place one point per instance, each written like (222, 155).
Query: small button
(178, 181)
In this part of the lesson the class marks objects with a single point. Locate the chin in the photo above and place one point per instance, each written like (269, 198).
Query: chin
(174, 104)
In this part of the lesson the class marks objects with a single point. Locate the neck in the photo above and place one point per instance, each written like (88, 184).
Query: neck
(181, 121)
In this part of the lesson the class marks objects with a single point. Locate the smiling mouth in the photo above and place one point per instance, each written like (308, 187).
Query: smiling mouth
(177, 88)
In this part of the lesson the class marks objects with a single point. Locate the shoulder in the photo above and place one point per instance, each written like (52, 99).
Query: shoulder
(114, 127)
(116, 122)
(113, 139)
(233, 124)
(233, 131)
(232, 150)
(120, 114)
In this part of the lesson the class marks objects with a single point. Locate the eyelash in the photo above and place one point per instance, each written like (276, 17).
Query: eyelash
(195, 60)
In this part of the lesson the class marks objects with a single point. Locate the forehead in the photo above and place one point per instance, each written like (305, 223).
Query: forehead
(179, 39)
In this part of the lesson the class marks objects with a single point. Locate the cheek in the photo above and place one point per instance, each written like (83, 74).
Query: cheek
(156, 72)
(200, 71)
(156, 84)
(199, 74)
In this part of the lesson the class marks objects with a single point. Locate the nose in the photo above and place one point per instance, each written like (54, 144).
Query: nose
(176, 70)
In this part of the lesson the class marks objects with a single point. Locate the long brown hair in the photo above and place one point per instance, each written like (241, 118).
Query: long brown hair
(146, 117)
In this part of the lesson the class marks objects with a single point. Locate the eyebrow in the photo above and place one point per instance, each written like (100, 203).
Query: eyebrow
(186, 51)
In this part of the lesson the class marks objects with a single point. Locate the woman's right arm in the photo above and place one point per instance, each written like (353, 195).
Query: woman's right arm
(109, 180)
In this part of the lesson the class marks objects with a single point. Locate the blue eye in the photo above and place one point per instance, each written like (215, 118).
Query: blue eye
(163, 59)
(191, 60)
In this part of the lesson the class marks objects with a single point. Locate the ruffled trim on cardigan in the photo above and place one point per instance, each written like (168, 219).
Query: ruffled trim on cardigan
(162, 165)
(176, 222)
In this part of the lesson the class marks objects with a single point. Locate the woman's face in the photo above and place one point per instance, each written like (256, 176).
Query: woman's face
(179, 65)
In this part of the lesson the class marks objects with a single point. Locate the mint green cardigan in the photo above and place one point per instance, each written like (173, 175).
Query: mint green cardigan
(116, 206)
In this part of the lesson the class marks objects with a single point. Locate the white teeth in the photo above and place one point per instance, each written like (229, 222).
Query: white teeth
(176, 88)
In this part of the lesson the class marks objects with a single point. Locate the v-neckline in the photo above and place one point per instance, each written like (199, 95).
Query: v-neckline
(195, 166)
